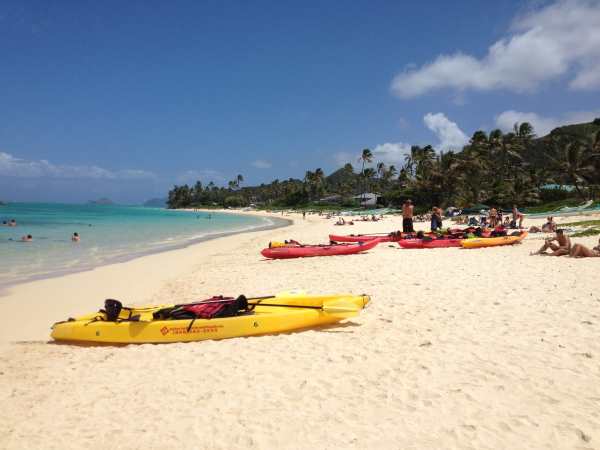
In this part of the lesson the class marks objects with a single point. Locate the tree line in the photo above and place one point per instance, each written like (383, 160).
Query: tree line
(494, 168)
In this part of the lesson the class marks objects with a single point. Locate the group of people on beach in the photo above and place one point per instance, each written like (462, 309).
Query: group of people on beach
(372, 218)
(549, 227)
(494, 218)
(408, 217)
(560, 245)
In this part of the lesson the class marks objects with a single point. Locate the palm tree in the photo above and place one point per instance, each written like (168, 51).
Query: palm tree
(368, 174)
(319, 179)
(239, 180)
(380, 169)
(524, 130)
(388, 175)
(309, 181)
(365, 157)
(573, 163)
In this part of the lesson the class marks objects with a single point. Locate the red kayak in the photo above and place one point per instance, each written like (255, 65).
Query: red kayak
(435, 243)
(302, 251)
(391, 237)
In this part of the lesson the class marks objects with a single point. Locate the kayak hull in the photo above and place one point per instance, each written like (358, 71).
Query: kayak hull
(263, 320)
(435, 243)
(493, 241)
(361, 238)
(294, 251)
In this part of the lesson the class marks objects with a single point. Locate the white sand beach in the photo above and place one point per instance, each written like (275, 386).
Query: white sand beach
(465, 349)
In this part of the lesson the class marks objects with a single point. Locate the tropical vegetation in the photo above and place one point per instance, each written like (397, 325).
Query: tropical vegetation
(494, 168)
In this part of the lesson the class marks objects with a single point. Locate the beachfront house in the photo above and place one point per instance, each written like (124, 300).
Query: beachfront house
(330, 199)
(368, 198)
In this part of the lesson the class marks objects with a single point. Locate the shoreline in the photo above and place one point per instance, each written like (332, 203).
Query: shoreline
(135, 278)
(4, 287)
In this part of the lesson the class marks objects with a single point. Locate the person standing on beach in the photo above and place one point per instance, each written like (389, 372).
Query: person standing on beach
(436, 218)
(493, 217)
(517, 215)
(407, 217)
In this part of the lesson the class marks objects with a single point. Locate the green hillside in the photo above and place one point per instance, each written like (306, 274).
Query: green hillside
(494, 168)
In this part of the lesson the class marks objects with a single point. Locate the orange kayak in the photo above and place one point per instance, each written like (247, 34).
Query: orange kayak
(493, 241)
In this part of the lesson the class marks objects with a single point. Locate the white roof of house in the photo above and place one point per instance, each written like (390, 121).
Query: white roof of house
(367, 194)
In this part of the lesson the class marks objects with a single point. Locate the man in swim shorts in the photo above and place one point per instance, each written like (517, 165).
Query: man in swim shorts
(560, 248)
(407, 217)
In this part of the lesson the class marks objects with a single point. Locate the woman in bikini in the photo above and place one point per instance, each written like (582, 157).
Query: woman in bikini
(581, 251)
(493, 217)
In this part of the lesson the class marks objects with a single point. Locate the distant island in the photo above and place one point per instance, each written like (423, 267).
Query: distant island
(156, 203)
(101, 201)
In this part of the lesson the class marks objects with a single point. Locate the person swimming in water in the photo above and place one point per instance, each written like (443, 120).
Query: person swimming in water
(27, 238)
(75, 237)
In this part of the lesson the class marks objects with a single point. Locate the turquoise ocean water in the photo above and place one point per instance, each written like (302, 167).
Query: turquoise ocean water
(108, 234)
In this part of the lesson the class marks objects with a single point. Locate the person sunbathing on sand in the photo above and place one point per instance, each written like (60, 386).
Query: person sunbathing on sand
(581, 251)
(562, 246)
(548, 227)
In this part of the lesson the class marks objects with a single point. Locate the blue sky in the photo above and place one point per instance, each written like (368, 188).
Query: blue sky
(124, 99)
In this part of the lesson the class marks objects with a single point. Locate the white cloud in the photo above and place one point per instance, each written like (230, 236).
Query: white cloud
(134, 174)
(262, 164)
(543, 124)
(451, 137)
(342, 158)
(22, 168)
(560, 39)
(391, 152)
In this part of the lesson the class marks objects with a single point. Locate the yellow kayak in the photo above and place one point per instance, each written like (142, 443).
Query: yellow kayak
(493, 241)
(282, 312)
